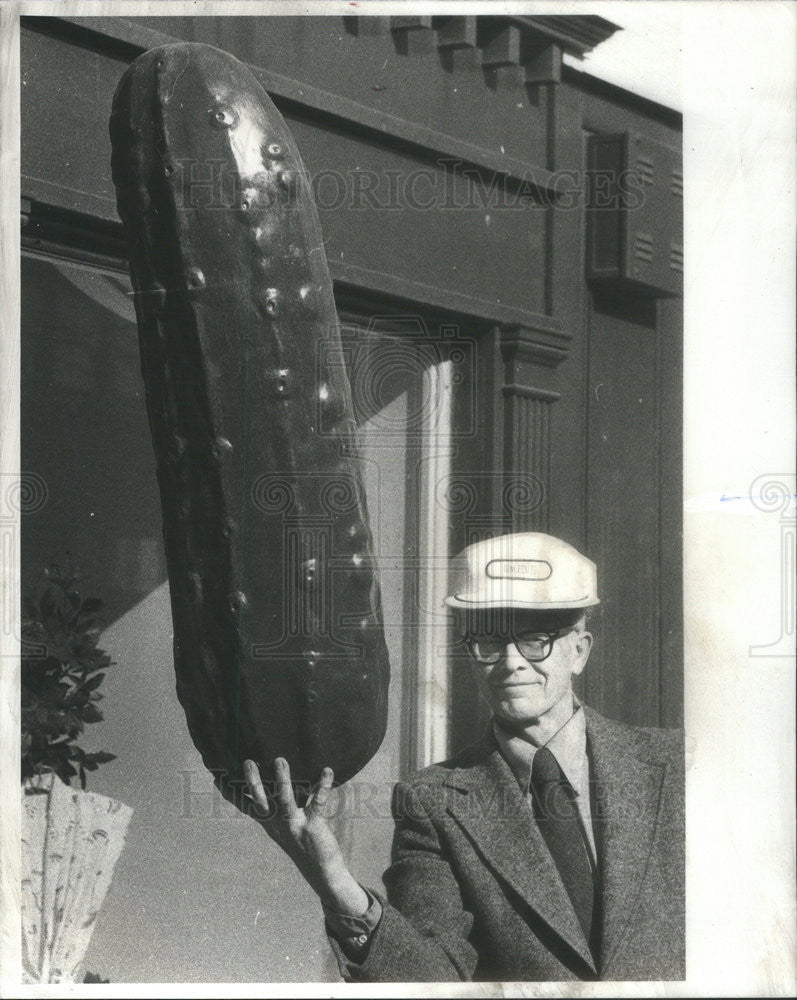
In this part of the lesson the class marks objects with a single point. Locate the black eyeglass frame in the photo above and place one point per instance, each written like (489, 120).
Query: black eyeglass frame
(519, 640)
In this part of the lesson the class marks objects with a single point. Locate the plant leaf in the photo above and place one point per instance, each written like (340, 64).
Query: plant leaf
(91, 713)
(62, 670)
(91, 760)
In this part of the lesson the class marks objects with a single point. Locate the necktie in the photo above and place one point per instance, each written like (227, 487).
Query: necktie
(557, 818)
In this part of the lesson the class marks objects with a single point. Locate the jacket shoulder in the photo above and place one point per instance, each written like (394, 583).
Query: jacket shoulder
(435, 775)
(424, 795)
(648, 742)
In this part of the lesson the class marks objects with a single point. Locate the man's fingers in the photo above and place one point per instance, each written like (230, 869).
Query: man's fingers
(322, 792)
(284, 791)
(255, 785)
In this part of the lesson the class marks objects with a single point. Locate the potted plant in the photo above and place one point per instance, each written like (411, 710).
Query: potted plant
(71, 838)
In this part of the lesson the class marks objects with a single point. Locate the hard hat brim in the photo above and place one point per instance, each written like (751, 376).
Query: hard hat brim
(475, 602)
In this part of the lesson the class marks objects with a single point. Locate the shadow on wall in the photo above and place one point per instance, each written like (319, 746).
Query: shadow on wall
(85, 434)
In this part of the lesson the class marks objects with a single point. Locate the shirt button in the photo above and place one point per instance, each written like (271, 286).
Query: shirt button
(362, 938)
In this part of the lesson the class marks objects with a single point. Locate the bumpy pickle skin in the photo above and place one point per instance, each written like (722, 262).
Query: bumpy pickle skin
(279, 647)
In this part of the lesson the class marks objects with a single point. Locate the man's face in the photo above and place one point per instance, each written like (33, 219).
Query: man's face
(520, 692)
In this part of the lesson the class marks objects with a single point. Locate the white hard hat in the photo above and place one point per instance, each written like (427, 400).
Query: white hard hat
(524, 570)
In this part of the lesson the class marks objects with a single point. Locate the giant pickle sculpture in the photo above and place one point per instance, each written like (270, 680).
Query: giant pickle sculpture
(278, 639)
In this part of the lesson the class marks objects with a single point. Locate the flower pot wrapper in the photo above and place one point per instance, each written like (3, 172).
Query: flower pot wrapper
(71, 841)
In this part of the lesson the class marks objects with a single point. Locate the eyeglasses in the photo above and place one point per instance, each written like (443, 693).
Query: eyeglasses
(532, 646)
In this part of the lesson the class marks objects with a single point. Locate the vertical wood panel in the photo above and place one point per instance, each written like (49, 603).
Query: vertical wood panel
(482, 453)
(568, 304)
(623, 479)
(527, 444)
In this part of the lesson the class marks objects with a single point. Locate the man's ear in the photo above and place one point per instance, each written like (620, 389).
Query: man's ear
(583, 649)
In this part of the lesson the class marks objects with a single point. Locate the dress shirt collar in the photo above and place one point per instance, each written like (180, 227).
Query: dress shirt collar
(568, 745)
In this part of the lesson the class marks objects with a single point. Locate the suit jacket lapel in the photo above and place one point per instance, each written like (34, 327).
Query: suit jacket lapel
(513, 846)
(627, 797)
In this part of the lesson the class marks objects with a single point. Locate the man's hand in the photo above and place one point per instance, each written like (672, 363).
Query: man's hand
(306, 838)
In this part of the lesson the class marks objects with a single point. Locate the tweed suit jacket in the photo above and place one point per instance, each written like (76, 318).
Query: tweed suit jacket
(473, 893)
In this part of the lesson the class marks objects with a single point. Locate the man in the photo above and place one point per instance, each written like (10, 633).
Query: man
(551, 850)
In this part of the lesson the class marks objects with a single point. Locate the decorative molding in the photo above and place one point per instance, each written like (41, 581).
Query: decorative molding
(545, 66)
(542, 344)
(457, 33)
(527, 453)
(414, 34)
(501, 46)
(527, 447)
(577, 35)
(530, 392)
(502, 40)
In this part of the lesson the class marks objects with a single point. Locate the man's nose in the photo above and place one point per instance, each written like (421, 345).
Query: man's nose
(513, 658)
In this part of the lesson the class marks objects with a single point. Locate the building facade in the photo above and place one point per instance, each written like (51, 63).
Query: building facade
(504, 234)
